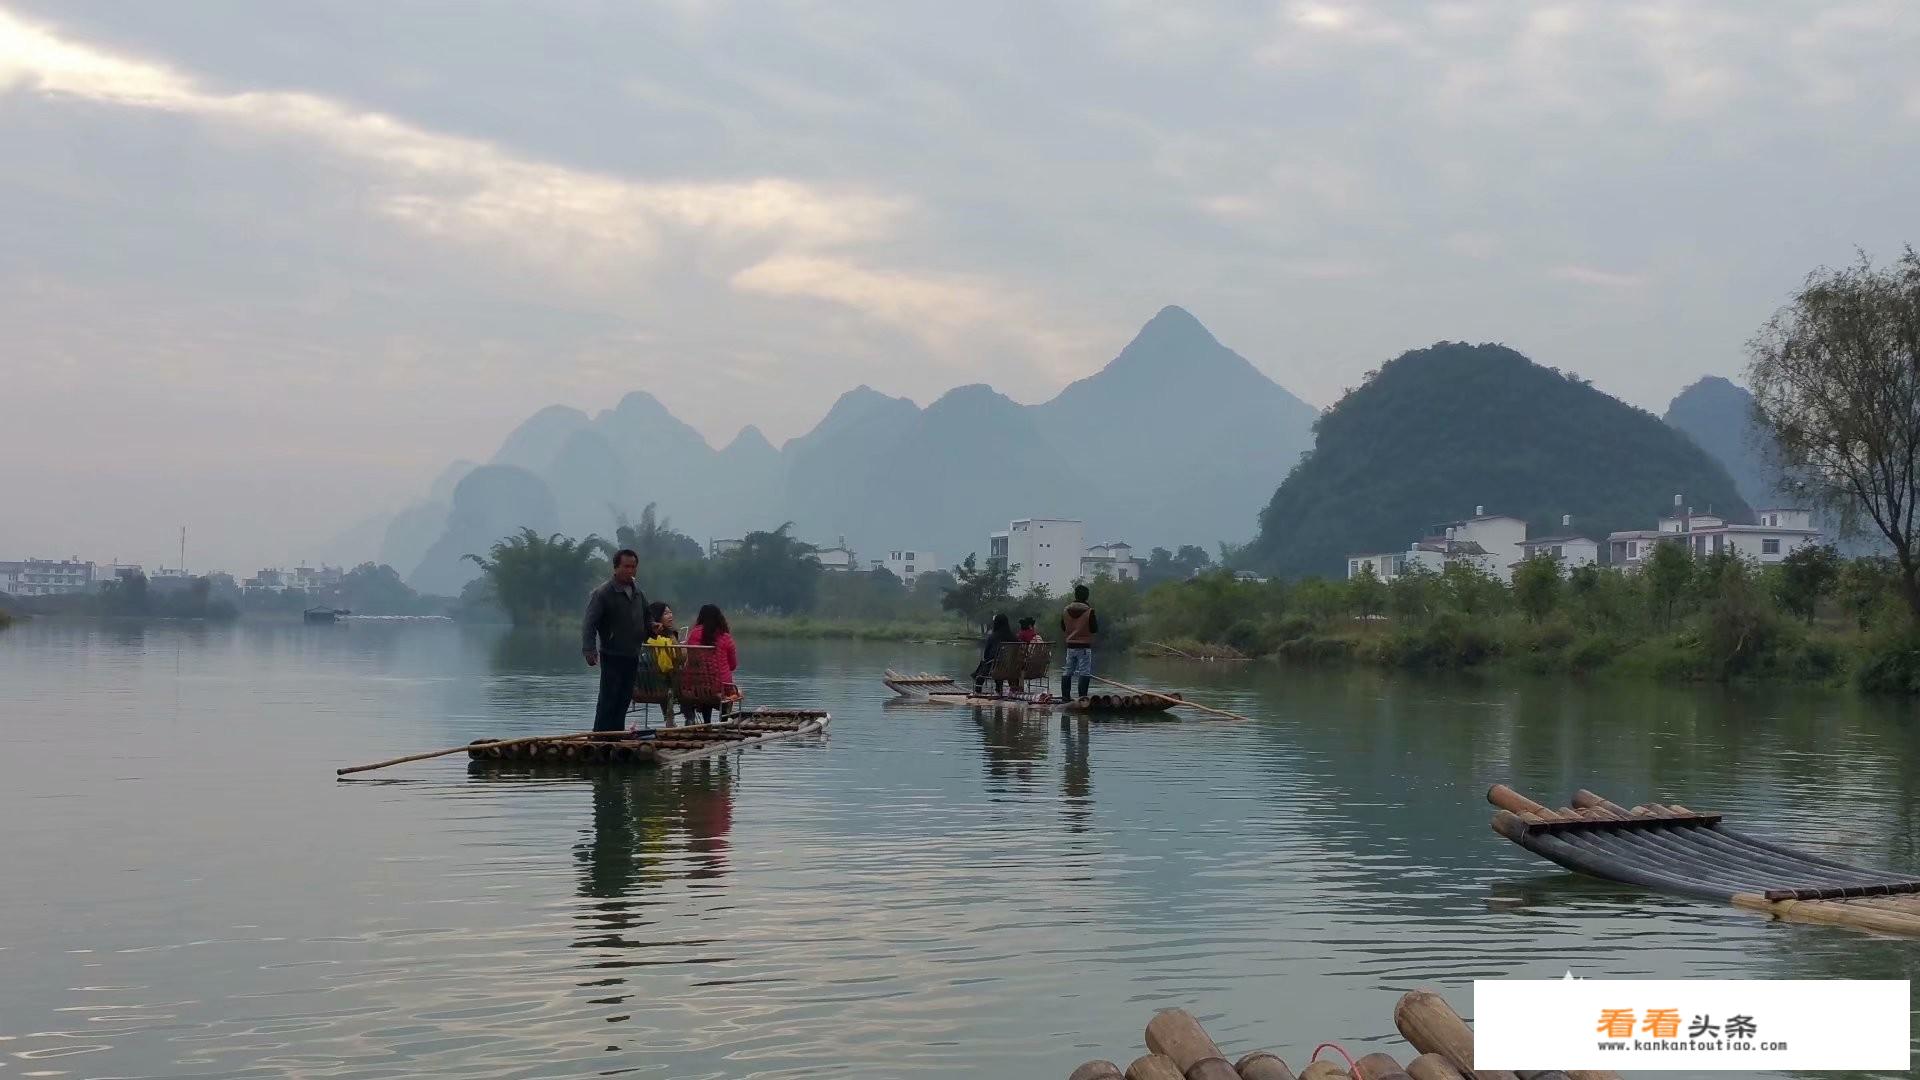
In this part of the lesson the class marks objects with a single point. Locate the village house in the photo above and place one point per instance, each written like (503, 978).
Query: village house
(1568, 548)
(908, 565)
(1052, 552)
(1490, 543)
(1777, 533)
(838, 559)
(1113, 559)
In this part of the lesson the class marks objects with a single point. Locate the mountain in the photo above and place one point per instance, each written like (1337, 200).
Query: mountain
(1439, 431)
(537, 441)
(1718, 416)
(490, 502)
(1182, 428)
(1174, 441)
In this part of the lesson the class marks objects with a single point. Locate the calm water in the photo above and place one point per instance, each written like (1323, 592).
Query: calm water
(185, 889)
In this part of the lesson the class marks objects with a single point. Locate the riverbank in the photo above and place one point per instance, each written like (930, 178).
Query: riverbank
(802, 627)
(1694, 652)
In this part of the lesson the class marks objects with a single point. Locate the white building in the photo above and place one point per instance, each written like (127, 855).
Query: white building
(717, 548)
(46, 577)
(1489, 543)
(1041, 551)
(1779, 532)
(1113, 559)
(839, 559)
(1571, 551)
(908, 564)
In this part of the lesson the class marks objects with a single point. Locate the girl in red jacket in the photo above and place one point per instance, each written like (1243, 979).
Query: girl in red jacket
(710, 628)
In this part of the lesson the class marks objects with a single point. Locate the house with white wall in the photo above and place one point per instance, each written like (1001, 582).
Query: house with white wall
(1777, 533)
(908, 563)
(1566, 547)
(1041, 551)
(1113, 559)
(838, 559)
(1488, 542)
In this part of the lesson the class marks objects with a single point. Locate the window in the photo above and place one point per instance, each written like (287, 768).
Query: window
(909, 570)
(1557, 553)
(1769, 547)
(1633, 550)
(1353, 567)
(909, 556)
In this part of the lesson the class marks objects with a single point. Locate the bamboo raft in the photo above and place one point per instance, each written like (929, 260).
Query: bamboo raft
(1178, 1048)
(660, 746)
(941, 689)
(1673, 849)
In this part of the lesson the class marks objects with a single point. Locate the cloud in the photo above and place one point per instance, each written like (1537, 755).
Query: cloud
(1588, 275)
(468, 189)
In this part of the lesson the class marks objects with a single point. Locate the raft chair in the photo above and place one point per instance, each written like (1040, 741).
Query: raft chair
(1039, 655)
(700, 682)
(1010, 666)
(654, 687)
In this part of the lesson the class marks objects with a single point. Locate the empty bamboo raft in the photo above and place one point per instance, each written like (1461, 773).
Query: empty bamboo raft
(1178, 1048)
(945, 690)
(1673, 849)
(661, 746)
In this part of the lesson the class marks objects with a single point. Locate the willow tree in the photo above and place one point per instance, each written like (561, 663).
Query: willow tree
(1836, 383)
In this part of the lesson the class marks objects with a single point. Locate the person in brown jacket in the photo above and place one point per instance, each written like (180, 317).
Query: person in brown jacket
(1079, 626)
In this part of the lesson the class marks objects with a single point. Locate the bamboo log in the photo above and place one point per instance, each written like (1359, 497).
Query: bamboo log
(1323, 1070)
(1175, 698)
(1433, 1067)
(1097, 1070)
(1175, 1033)
(1378, 1067)
(1212, 1068)
(1833, 913)
(1592, 1074)
(1154, 1067)
(481, 745)
(1430, 1025)
(1513, 802)
(1262, 1065)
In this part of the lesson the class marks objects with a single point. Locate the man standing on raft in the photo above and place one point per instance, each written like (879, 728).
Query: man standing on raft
(1079, 625)
(611, 634)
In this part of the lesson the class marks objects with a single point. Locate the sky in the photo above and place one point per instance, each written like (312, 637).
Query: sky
(268, 268)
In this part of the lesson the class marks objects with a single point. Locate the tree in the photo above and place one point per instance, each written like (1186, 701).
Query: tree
(1410, 595)
(1807, 575)
(770, 570)
(536, 579)
(979, 591)
(1863, 585)
(1669, 571)
(1366, 593)
(1470, 590)
(1163, 565)
(1536, 586)
(1836, 383)
(375, 589)
(655, 539)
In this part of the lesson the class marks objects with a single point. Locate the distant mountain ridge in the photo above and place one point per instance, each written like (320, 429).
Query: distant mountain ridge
(1176, 440)
(1442, 430)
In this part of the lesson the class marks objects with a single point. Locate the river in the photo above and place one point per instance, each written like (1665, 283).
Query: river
(188, 891)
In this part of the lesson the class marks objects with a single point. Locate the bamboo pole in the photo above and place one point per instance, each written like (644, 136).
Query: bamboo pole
(1378, 1067)
(1175, 699)
(496, 744)
(1154, 1067)
(1323, 1070)
(1262, 1065)
(1175, 1033)
(1431, 1026)
(1098, 1070)
(1433, 1067)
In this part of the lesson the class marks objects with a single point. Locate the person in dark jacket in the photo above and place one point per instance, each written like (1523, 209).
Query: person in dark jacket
(611, 634)
(1000, 634)
(1079, 626)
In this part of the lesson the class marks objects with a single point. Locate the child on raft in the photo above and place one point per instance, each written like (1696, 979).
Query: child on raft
(710, 629)
(663, 642)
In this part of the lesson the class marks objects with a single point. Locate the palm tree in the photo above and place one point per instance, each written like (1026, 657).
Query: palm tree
(537, 578)
(654, 538)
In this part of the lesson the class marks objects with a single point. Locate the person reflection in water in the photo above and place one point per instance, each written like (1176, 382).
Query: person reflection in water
(627, 856)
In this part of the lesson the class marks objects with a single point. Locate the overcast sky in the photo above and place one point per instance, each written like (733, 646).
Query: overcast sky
(265, 268)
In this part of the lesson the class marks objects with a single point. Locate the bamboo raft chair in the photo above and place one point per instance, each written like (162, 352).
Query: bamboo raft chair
(698, 681)
(653, 686)
(1672, 849)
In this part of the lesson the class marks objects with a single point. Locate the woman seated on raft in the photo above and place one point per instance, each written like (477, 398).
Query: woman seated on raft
(1000, 634)
(710, 629)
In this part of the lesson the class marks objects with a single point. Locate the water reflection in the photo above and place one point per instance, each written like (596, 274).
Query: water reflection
(1076, 777)
(1012, 743)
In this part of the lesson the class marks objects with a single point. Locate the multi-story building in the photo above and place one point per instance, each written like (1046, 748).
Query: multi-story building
(1566, 547)
(1113, 559)
(1491, 543)
(1040, 551)
(1778, 531)
(717, 548)
(46, 577)
(908, 564)
(839, 559)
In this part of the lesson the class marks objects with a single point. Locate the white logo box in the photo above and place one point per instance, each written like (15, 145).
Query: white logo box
(1730, 1024)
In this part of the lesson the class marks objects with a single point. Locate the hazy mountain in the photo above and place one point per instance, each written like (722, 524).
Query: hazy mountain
(1441, 430)
(1184, 430)
(830, 474)
(1718, 416)
(490, 502)
(357, 543)
(409, 533)
(536, 442)
(1176, 440)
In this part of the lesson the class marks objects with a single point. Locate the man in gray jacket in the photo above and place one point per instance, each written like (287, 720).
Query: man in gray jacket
(611, 635)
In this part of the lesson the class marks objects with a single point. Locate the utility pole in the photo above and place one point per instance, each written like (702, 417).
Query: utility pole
(183, 550)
